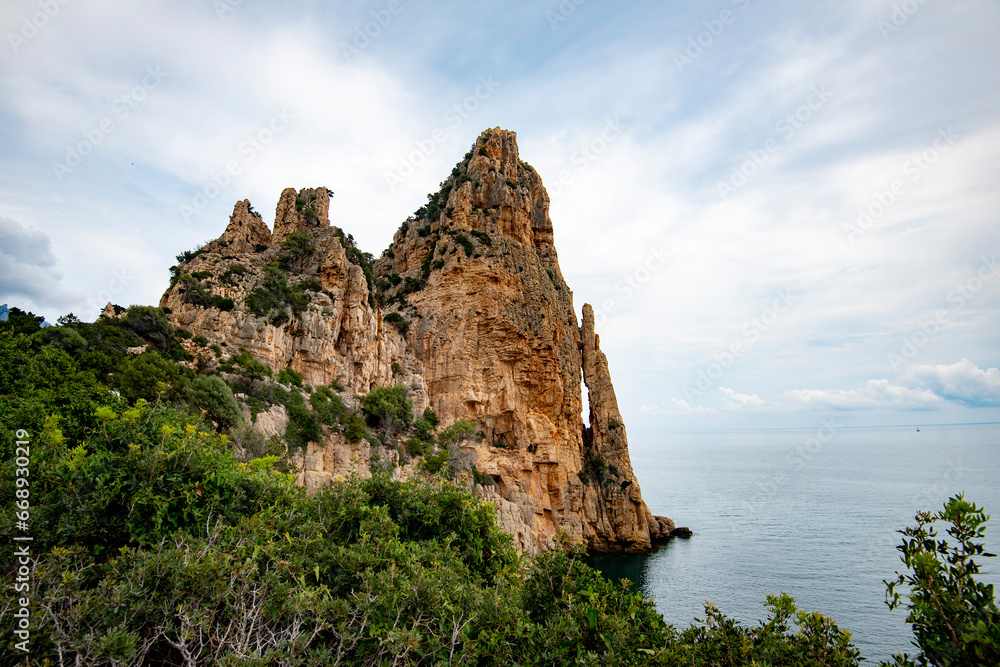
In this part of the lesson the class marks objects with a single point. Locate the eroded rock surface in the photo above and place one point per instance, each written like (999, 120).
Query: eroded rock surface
(490, 336)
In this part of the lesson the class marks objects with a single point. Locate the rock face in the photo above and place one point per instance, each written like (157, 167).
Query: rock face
(490, 336)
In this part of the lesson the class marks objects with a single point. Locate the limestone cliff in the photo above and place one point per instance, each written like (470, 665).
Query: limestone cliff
(467, 308)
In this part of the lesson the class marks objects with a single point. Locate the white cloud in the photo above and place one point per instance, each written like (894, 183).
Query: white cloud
(876, 394)
(735, 400)
(962, 381)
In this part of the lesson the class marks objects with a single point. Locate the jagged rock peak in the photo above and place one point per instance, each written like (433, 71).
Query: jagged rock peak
(298, 211)
(490, 191)
(246, 229)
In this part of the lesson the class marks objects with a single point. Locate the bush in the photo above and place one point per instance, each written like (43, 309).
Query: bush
(233, 273)
(434, 463)
(273, 295)
(431, 417)
(457, 432)
(354, 427)
(954, 616)
(150, 324)
(466, 244)
(415, 447)
(329, 407)
(398, 321)
(22, 322)
(290, 377)
(146, 376)
(213, 395)
(385, 407)
(425, 431)
(303, 424)
(298, 245)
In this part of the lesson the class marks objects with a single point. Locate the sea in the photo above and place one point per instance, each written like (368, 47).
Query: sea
(811, 512)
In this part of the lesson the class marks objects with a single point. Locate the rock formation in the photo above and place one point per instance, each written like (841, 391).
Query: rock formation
(469, 310)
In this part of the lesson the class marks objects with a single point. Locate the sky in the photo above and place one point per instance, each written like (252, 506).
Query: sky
(784, 214)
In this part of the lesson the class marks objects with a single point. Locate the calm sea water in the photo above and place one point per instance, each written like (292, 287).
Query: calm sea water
(809, 512)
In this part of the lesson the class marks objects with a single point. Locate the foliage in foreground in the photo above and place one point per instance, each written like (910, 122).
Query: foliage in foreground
(954, 616)
(155, 546)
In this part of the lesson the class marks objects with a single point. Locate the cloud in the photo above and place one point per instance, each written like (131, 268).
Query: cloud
(27, 265)
(963, 382)
(876, 394)
(739, 401)
(922, 387)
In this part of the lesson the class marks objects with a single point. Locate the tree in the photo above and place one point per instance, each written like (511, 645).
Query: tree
(213, 395)
(22, 322)
(141, 376)
(954, 616)
(387, 406)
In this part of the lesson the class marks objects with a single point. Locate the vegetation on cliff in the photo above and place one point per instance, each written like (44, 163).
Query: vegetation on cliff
(153, 544)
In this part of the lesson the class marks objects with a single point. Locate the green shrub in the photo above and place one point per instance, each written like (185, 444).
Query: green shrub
(457, 432)
(415, 447)
(303, 424)
(201, 275)
(434, 463)
(953, 614)
(298, 245)
(424, 430)
(213, 395)
(250, 367)
(273, 295)
(183, 334)
(466, 244)
(290, 376)
(385, 407)
(398, 321)
(150, 324)
(354, 427)
(233, 273)
(200, 341)
(329, 407)
(146, 376)
(21, 322)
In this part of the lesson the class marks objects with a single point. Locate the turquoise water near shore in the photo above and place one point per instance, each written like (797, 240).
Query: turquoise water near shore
(811, 512)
